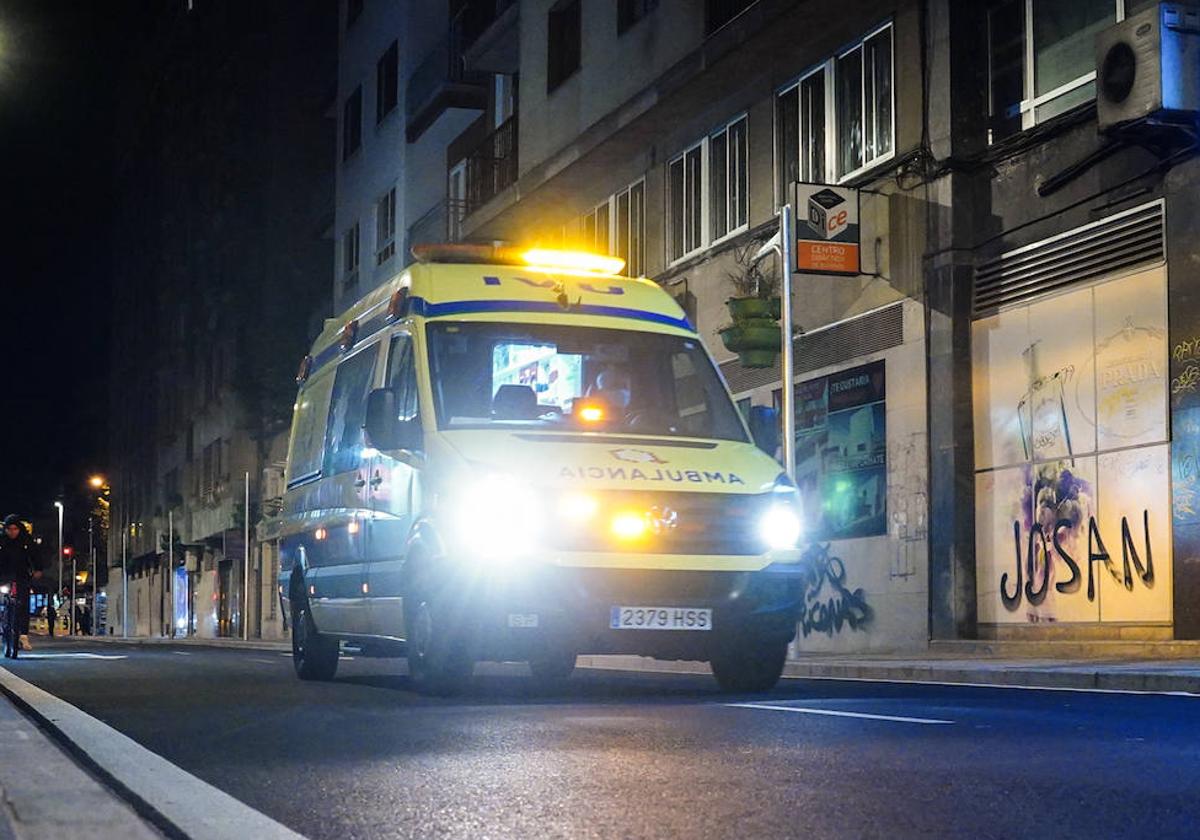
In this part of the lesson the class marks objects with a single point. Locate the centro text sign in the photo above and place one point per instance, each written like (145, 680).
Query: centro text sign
(827, 232)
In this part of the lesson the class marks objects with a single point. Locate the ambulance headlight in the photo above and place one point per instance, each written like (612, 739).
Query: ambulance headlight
(781, 526)
(497, 515)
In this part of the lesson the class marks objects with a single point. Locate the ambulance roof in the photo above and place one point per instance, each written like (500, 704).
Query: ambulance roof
(512, 293)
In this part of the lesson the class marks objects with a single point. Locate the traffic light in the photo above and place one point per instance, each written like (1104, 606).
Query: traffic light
(68, 551)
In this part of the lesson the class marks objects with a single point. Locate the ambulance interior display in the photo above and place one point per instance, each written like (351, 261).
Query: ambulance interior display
(497, 375)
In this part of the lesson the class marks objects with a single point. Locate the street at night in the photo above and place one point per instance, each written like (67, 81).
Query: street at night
(639, 755)
(600, 419)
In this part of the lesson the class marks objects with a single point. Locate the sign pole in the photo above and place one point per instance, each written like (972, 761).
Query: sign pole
(246, 564)
(786, 246)
(170, 629)
(124, 583)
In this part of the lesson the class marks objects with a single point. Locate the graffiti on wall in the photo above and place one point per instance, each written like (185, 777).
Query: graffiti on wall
(829, 603)
(1073, 502)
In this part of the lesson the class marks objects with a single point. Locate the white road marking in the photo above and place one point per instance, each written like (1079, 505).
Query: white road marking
(834, 713)
(182, 652)
(74, 656)
(261, 661)
(191, 807)
(1012, 686)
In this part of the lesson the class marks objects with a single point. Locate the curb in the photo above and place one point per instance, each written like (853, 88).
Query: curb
(1078, 676)
(174, 801)
(218, 644)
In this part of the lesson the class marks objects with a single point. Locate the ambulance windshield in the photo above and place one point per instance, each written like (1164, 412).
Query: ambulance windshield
(495, 375)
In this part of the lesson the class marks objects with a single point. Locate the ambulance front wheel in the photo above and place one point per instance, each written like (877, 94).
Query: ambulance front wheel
(314, 656)
(439, 661)
(749, 666)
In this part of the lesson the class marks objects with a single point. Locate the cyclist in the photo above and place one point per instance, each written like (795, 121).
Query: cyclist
(19, 565)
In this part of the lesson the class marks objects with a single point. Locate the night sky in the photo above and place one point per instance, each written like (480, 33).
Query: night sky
(60, 63)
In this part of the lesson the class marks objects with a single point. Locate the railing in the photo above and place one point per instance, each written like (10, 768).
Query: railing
(444, 65)
(492, 166)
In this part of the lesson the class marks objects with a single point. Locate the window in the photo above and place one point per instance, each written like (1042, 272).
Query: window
(387, 82)
(838, 119)
(1041, 60)
(630, 12)
(564, 43)
(717, 13)
(351, 243)
(701, 211)
(402, 378)
(347, 412)
(728, 181)
(618, 227)
(532, 376)
(352, 123)
(685, 193)
(385, 227)
(354, 8)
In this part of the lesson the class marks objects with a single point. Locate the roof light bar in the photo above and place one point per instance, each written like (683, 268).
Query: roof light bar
(573, 261)
(545, 259)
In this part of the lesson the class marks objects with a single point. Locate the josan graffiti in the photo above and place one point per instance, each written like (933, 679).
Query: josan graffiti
(828, 603)
(1036, 571)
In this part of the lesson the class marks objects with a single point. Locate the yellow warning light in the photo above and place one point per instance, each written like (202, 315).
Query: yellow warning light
(591, 413)
(629, 525)
(573, 261)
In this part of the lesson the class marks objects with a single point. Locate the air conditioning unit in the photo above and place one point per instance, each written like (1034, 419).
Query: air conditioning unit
(1148, 68)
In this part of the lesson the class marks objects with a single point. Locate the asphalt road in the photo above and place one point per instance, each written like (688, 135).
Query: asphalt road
(630, 755)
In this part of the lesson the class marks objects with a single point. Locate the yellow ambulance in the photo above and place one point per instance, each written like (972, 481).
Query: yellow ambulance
(526, 456)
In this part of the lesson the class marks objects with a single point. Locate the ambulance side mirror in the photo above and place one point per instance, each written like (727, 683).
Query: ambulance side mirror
(385, 430)
(382, 425)
(764, 428)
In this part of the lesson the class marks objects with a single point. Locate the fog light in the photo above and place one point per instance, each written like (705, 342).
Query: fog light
(629, 525)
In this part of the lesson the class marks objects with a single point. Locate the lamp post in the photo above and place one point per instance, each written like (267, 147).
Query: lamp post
(59, 505)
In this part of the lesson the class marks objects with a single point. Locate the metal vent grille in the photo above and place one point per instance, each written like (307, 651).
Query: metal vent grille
(878, 330)
(1122, 242)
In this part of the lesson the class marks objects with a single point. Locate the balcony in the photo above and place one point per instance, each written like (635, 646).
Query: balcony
(490, 37)
(442, 81)
(491, 167)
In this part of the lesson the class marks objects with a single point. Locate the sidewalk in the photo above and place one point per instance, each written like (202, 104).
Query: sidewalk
(47, 796)
(1165, 667)
(1063, 672)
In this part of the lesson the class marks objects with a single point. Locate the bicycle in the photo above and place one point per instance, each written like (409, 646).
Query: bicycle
(10, 624)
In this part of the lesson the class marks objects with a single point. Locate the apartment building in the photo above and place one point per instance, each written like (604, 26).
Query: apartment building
(969, 401)
(225, 188)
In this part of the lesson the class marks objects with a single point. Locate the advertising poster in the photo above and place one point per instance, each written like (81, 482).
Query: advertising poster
(1073, 495)
(827, 229)
(841, 453)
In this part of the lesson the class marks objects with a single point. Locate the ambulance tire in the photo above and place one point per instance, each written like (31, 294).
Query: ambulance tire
(750, 667)
(439, 662)
(314, 655)
(552, 666)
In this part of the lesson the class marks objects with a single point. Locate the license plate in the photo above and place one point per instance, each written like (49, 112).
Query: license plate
(660, 618)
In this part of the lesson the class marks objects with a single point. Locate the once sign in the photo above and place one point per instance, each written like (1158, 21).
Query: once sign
(827, 232)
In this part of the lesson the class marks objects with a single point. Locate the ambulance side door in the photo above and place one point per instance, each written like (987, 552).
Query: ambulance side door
(394, 487)
(337, 567)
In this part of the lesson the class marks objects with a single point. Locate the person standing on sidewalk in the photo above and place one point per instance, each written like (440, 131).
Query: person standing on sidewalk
(51, 615)
(19, 563)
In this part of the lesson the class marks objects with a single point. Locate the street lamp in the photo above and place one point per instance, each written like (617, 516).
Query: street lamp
(59, 505)
(97, 482)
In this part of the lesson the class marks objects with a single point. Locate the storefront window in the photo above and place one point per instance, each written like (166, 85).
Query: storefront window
(1072, 462)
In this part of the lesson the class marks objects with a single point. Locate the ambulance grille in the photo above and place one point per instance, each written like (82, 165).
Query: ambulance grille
(1120, 243)
(704, 524)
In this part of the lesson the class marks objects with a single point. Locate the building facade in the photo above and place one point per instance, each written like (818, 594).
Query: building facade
(992, 439)
(225, 194)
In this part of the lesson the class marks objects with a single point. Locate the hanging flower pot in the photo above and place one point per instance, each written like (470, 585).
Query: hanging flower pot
(741, 308)
(757, 341)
